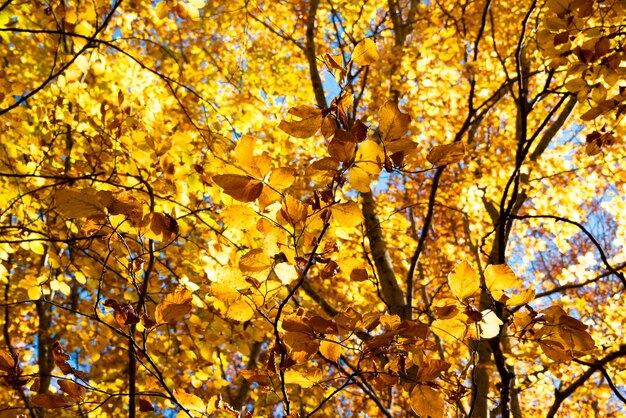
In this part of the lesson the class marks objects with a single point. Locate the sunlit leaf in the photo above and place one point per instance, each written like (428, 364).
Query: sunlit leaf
(446, 154)
(427, 402)
(464, 281)
(392, 123)
(365, 52)
(189, 401)
(242, 188)
(174, 306)
(306, 122)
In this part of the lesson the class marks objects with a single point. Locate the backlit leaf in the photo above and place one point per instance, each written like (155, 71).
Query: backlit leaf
(464, 281)
(190, 401)
(392, 123)
(73, 389)
(174, 306)
(427, 402)
(446, 154)
(242, 188)
(365, 52)
(306, 122)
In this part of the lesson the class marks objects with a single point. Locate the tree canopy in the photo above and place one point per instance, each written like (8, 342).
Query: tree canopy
(312, 208)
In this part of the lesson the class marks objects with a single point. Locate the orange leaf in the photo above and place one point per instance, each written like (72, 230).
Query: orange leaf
(174, 306)
(242, 188)
(74, 390)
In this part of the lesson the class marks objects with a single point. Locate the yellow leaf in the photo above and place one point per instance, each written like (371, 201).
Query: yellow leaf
(499, 277)
(190, 401)
(174, 306)
(369, 157)
(359, 179)
(463, 280)
(446, 154)
(304, 379)
(489, 325)
(427, 402)
(448, 328)
(293, 212)
(347, 215)
(365, 52)
(307, 121)
(286, 272)
(521, 298)
(242, 188)
(82, 203)
(392, 124)
(240, 311)
(244, 151)
(282, 178)
(255, 261)
(330, 349)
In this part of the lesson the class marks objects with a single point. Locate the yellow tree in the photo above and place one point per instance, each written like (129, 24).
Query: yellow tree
(312, 208)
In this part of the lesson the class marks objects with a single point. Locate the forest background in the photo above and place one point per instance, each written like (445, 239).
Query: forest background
(312, 207)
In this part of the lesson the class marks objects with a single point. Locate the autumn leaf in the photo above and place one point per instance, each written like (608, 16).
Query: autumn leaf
(392, 123)
(365, 52)
(242, 188)
(306, 121)
(83, 203)
(446, 154)
(189, 401)
(75, 391)
(464, 281)
(255, 261)
(427, 402)
(304, 379)
(330, 349)
(174, 306)
(50, 400)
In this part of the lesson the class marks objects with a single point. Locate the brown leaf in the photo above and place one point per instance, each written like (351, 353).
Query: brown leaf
(359, 274)
(446, 154)
(124, 312)
(7, 362)
(50, 400)
(431, 369)
(242, 188)
(359, 130)
(60, 358)
(162, 223)
(144, 404)
(73, 389)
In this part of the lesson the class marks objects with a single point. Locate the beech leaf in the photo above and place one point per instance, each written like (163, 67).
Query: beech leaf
(306, 122)
(365, 52)
(392, 123)
(464, 281)
(446, 154)
(174, 306)
(427, 402)
(242, 188)
(73, 389)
